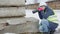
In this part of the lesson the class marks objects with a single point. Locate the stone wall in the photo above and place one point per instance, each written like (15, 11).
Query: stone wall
(54, 4)
(12, 2)
(13, 13)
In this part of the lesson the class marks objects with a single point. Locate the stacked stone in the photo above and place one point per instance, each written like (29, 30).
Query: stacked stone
(13, 12)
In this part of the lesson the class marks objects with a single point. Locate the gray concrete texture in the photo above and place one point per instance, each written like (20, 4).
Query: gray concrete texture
(12, 11)
(27, 25)
(12, 2)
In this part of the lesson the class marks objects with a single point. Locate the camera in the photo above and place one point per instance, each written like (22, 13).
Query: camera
(34, 11)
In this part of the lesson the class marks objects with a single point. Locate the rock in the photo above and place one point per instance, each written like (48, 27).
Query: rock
(12, 2)
(12, 11)
(30, 25)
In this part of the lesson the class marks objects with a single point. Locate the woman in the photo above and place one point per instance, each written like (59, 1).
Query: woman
(44, 12)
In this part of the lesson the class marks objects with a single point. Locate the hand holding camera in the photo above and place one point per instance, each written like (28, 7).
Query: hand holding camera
(38, 9)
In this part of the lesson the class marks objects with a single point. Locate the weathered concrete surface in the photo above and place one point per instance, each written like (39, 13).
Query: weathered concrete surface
(28, 25)
(12, 2)
(1, 26)
(13, 20)
(12, 11)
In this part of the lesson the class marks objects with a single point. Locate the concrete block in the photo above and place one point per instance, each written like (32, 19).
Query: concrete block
(12, 11)
(30, 25)
(12, 2)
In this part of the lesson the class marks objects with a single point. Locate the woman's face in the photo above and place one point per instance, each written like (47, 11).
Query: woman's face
(43, 7)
